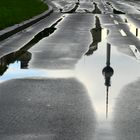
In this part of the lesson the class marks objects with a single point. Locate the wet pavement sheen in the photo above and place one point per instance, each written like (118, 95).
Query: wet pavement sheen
(75, 77)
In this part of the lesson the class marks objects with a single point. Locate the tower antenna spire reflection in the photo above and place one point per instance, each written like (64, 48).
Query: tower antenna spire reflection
(108, 73)
(107, 90)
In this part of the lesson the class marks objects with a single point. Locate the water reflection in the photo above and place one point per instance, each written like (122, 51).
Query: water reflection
(98, 34)
(73, 10)
(95, 11)
(108, 73)
(96, 37)
(23, 55)
(40, 109)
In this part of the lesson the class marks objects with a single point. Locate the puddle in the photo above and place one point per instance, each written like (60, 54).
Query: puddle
(98, 34)
(132, 27)
(115, 11)
(22, 55)
(95, 70)
(79, 7)
(15, 71)
(73, 10)
(43, 34)
(103, 71)
(96, 9)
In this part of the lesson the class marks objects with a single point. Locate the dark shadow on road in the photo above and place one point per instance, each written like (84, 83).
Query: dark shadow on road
(23, 56)
(43, 34)
(96, 10)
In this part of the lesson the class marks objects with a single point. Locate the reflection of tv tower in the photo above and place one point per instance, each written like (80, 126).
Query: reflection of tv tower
(96, 37)
(107, 72)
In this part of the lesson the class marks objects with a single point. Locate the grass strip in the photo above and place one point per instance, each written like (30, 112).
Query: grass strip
(15, 11)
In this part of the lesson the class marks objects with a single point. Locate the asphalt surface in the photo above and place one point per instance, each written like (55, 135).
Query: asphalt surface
(51, 83)
(45, 109)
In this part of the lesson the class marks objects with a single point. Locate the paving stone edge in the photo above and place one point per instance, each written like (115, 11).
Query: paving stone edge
(23, 25)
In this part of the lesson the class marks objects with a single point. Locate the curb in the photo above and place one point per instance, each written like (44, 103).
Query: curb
(18, 27)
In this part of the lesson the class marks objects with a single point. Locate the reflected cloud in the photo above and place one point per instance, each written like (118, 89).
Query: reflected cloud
(14, 71)
(114, 10)
(23, 55)
(96, 9)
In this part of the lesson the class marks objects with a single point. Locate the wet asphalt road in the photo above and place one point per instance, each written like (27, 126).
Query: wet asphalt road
(51, 84)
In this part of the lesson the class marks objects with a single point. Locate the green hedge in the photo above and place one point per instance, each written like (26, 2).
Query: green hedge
(16, 11)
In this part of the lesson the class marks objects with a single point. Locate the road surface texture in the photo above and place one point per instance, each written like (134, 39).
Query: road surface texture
(74, 75)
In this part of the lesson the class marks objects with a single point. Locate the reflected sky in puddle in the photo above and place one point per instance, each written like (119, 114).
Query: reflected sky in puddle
(89, 71)
(14, 71)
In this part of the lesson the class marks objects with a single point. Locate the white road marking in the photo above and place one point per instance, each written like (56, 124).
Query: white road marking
(112, 16)
(116, 22)
(123, 33)
(135, 51)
